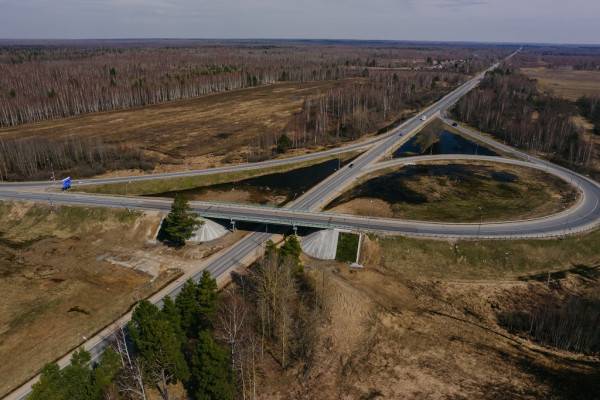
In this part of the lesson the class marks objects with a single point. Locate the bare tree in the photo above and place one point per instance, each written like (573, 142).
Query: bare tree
(232, 317)
(131, 379)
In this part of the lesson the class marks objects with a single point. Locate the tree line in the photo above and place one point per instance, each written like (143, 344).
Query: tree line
(508, 105)
(364, 106)
(53, 82)
(46, 158)
(589, 107)
(582, 58)
(570, 324)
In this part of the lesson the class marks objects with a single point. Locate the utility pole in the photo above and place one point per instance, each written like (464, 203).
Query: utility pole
(480, 221)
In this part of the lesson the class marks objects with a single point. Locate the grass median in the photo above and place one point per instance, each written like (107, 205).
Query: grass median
(155, 186)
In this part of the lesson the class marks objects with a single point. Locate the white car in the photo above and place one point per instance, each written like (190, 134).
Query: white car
(424, 118)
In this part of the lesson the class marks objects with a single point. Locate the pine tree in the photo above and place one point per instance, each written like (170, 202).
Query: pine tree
(283, 143)
(77, 381)
(207, 299)
(270, 249)
(187, 305)
(211, 376)
(171, 314)
(50, 385)
(158, 346)
(106, 371)
(180, 223)
(290, 252)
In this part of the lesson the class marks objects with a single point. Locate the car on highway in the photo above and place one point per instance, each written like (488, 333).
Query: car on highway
(455, 124)
(424, 118)
(351, 165)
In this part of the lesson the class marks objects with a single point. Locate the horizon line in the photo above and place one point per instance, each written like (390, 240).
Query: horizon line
(133, 38)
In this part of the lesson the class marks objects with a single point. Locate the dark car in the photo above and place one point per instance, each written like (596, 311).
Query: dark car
(454, 124)
(351, 165)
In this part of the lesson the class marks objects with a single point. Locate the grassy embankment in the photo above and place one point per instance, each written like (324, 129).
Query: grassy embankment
(191, 182)
(488, 260)
(347, 247)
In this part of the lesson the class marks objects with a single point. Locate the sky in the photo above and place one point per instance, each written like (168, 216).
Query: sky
(539, 21)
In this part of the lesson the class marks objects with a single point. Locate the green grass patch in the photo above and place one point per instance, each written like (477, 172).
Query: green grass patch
(462, 192)
(155, 186)
(504, 259)
(347, 247)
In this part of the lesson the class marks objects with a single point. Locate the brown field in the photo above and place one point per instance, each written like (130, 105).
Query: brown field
(199, 132)
(567, 83)
(398, 331)
(68, 272)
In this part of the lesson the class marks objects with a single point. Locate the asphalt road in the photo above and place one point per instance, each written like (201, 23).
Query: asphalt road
(303, 209)
(581, 217)
(441, 104)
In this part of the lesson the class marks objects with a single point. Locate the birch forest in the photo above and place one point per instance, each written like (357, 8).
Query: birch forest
(509, 105)
(53, 80)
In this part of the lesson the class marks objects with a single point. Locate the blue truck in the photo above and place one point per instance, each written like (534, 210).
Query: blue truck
(66, 183)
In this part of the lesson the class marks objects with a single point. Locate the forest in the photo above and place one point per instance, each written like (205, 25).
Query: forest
(51, 81)
(509, 105)
(380, 84)
(205, 343)
(378, 100)
(40, 158)
(582, 58)
(589, 107)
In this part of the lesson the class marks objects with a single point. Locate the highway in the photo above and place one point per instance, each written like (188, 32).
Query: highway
(584, 215)
(305, 210)
(443, 103)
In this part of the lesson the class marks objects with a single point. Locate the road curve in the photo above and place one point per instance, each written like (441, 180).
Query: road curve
(220, 264)
(583, 216)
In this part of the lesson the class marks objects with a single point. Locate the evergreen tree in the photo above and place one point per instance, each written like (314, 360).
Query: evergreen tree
(270, 249)
(180, 223)
(171, 314)
(77, 378)
(207, 300)
(77, 381)
(211, 376)
(283, 143)
(157, 345)
(106, 371)
(187, 305)
(50, 385)
(290, 252)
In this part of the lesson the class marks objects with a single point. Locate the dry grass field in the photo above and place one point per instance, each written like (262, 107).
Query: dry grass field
(419, 323)
(457, 192)
(567, 83)
(199, 132)
(66, 273)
